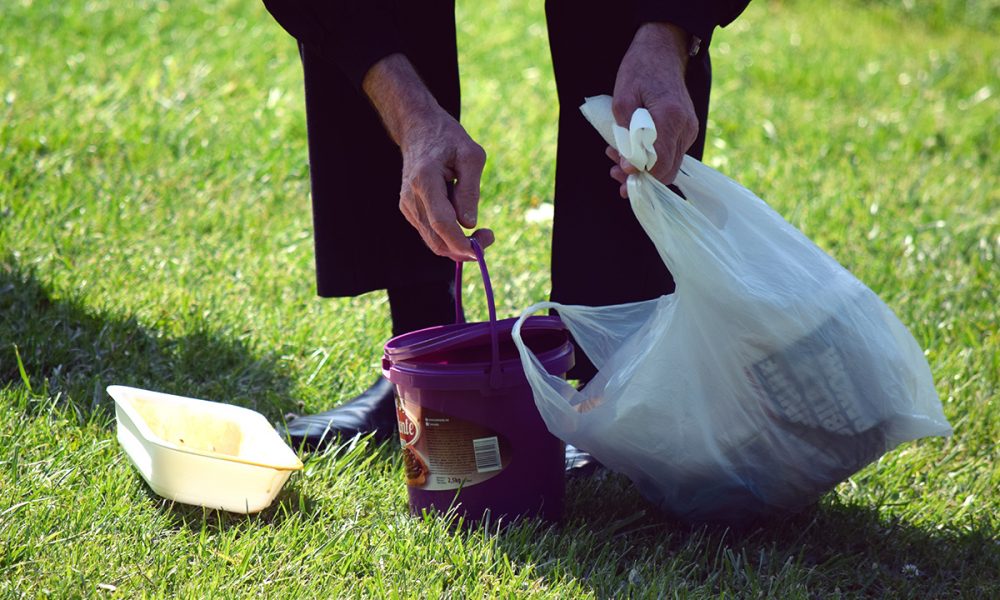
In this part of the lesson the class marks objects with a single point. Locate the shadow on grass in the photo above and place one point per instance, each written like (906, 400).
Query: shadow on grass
(631, 548)
(71, 353)
(613, 542)
(289, 502)
(75, 352)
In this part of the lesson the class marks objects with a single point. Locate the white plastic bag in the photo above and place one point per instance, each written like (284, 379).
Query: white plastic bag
(771, 375)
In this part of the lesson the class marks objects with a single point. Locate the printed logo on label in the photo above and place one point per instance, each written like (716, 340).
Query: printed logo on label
(441, 452)
(812, 383)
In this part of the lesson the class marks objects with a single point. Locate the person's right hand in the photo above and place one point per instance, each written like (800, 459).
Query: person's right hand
(651, 76)
(442, 165)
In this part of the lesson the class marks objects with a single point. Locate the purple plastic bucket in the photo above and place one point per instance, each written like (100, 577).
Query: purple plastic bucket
(471, 435)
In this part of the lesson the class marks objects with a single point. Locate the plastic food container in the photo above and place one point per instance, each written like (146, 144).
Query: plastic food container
(203, 453)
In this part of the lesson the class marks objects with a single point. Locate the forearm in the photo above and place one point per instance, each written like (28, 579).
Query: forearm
(697, 19)
(400, 96)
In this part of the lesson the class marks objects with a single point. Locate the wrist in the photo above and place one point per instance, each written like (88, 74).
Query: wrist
(666, 37)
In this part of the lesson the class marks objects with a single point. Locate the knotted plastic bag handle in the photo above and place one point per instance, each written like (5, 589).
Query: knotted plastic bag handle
(460, 314)
(635, 144)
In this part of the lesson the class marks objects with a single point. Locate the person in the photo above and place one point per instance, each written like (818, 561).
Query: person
(395, 177)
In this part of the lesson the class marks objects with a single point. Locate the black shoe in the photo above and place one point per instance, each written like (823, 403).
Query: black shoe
(374, 411)
(578, 462)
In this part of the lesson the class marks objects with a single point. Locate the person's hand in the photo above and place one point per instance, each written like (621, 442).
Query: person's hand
(442, 165)
(438, 154)
(651, 76)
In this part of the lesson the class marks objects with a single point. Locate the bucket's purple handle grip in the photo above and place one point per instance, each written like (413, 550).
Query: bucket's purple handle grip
(460, 314)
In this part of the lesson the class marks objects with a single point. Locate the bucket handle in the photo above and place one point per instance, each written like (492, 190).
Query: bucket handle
(460, 314)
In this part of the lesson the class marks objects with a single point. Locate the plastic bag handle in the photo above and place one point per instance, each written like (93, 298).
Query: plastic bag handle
(460, 314)
(554, 396)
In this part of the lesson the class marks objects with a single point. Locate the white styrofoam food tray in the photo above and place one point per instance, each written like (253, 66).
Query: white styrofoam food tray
(203, 453)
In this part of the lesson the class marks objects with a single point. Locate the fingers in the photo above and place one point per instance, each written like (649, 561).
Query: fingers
(442, 170)
(441, 219)
(412, 209)
(618, 174)
(485, 237)
(624, 101)
(627, 167)
(621, 177)
(620, 171)
(679, 125)
(469, 162)
(424, 202)
(669, 158)
(667, 164)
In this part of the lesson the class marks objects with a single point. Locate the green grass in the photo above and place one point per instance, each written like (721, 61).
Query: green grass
(155, 231)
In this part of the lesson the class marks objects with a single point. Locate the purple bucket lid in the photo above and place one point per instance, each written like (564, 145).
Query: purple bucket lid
(460, 356)
(475, 355)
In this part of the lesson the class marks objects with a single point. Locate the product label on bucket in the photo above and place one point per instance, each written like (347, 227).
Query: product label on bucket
(441, 452)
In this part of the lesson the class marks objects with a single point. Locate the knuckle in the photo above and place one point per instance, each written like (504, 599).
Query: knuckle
(677, 110)
(674, 105)
(675, 113)
(693, 133)
(411, 185)
(690, 122)
(405, 205)
(479, 153)
(473, 152)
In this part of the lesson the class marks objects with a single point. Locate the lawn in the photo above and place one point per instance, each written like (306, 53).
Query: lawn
(155, 231)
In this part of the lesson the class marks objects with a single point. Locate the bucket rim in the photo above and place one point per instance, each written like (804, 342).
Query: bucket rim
(415, 344)
(475, 375)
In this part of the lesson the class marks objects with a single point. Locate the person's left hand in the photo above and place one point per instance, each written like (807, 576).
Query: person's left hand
(651, 76)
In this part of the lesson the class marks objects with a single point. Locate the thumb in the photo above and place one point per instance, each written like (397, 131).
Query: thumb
(469, 170)
(623, 104)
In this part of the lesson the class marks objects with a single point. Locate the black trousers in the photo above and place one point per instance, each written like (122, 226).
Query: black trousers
(600, 254)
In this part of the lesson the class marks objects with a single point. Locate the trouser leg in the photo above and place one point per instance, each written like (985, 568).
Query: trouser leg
(362, 240)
